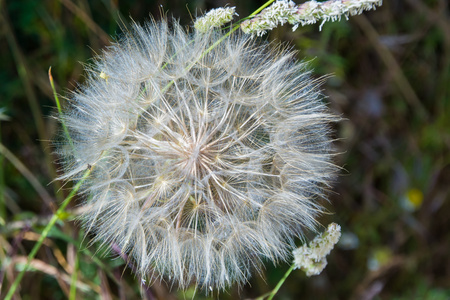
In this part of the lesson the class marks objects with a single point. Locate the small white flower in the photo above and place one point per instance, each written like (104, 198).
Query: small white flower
(312, 259)
(215, 18)
(276, 14)
(307, 13)
(332, 10)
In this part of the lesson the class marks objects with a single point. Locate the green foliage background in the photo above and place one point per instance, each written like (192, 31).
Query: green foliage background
(390, 83)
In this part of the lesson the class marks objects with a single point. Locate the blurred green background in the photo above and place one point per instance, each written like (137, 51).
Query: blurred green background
(390, 83)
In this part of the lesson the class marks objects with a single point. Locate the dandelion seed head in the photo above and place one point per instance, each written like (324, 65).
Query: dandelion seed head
(202, 163)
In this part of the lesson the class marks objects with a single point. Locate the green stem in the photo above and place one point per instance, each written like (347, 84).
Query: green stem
(261, 8)
(280, 283)
(2, 187)
(58, 105)
(44, 234)
(73, 281)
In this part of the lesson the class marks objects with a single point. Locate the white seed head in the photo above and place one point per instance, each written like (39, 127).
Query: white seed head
(202, 163)
(312, 258)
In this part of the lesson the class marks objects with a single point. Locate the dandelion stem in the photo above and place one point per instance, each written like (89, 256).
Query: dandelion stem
(44, 234)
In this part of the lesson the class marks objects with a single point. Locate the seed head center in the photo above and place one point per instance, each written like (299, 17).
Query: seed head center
(195, 159)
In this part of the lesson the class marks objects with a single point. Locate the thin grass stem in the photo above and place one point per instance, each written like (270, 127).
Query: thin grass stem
(44, 234)
(2, 186)
(58, 105)
(73, 281)
(280, 283)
